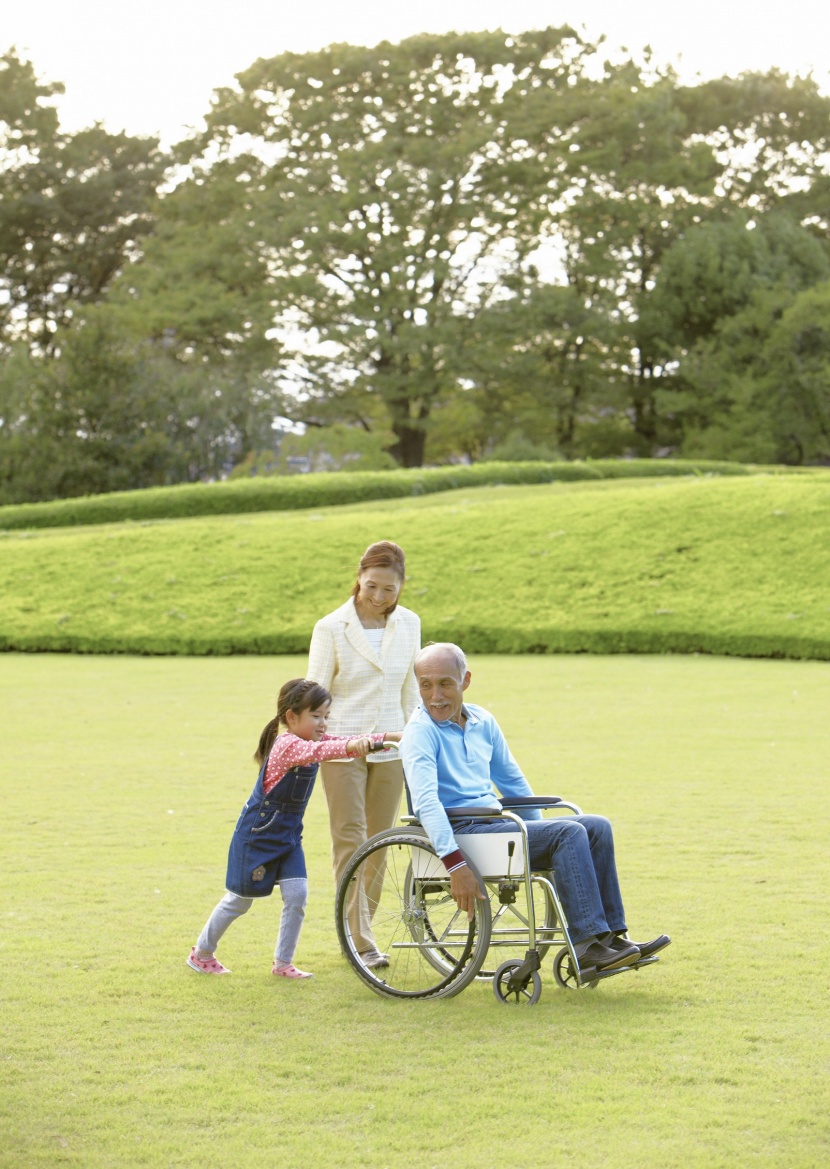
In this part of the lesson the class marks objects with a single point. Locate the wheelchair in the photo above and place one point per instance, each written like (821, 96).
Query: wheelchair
(434, 950)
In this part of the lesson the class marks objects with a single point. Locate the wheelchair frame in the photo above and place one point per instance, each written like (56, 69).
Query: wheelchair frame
(434, 951)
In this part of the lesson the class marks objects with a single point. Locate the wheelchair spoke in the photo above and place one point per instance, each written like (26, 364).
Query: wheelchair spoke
(396, 892)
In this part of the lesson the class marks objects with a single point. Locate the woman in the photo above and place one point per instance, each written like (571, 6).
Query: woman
(363, 653)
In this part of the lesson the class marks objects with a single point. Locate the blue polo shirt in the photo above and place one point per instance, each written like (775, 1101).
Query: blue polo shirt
(450, 767)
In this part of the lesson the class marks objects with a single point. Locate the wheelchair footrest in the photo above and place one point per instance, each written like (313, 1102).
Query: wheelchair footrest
(598, 975)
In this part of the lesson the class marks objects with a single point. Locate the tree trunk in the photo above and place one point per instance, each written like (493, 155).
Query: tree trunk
(645, 415)
(410, 415)
(409, 449)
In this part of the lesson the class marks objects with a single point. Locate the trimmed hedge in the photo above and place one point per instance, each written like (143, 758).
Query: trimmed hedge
(474, 640)
(297, 492)
(734, 566)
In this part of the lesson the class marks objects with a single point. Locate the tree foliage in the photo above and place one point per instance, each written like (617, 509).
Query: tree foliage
(72, 208)
(466, 234)
(112, 414)
(446, 248)
(391, 193)
(109, 382)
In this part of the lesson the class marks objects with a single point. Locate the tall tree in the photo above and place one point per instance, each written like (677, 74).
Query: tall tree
(391, 193)
(111, 412)
(26, 120)
(715, 269)
(72, 207)
(539, 369)
(758, 390)
(200, 294)
(738, 304)
(648, 160)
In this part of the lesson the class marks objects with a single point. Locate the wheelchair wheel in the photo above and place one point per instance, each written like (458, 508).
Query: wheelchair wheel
(525, 996)
(509, 924)
(565, 974)
(425, 929)
(396, 889)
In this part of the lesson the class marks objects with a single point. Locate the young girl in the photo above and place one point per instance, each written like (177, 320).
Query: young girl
(266, 847)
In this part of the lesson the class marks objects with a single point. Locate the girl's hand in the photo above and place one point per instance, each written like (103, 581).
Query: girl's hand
(392, 736)
(360, 747)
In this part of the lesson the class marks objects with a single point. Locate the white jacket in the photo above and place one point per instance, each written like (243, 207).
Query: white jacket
(369, 692)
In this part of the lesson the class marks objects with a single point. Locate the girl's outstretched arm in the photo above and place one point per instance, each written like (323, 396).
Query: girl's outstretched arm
(291, 751)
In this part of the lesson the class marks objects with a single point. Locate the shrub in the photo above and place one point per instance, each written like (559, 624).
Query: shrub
(295, 492)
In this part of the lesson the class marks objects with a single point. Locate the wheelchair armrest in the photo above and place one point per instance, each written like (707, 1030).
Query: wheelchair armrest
(530, 801)
(517, 802)
(471, 813)
(459, 814)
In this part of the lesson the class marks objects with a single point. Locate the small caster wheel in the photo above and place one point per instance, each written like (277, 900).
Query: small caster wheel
(526, 995)
(565, 974)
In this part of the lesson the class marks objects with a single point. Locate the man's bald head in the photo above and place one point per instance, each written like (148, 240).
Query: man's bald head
(445, 652)
(442, 675)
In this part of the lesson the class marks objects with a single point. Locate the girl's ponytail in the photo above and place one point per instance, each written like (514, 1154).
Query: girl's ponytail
(266, 740)
(298, 695)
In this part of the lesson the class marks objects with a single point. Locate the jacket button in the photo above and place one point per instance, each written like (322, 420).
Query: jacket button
(266, 803)
(262, 815)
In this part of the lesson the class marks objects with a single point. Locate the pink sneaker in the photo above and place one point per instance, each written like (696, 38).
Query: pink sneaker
(206, 965)
(290, 971)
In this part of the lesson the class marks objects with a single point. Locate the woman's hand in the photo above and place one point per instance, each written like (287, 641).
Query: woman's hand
(360, 746)
(392, 736)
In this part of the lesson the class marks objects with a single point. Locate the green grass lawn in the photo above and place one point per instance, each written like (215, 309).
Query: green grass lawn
(721, 565)
(121, 782)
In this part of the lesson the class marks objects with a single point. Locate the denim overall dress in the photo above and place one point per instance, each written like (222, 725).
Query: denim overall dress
(266, 846)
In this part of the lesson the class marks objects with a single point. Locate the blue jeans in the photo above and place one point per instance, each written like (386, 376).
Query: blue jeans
(580, 851)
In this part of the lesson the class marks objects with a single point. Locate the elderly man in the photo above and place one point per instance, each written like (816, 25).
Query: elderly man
(454, 754)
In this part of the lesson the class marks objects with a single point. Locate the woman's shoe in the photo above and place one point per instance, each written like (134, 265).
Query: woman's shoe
(374, 960)
(290, 971)
(206, 965)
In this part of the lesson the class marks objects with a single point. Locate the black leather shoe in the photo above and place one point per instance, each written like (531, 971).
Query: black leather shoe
(597, 958)
(646, 948)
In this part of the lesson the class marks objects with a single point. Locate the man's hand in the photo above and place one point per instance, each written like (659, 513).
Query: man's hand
(464, 889)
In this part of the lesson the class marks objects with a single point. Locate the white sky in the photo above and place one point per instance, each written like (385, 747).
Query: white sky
(151, 66)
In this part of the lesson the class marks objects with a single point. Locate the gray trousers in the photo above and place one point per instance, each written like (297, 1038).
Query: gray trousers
(294, 892)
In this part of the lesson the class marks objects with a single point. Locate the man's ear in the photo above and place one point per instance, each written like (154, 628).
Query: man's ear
(466, 681)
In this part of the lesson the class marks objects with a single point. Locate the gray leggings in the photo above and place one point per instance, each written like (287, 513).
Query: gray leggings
(294, 892)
